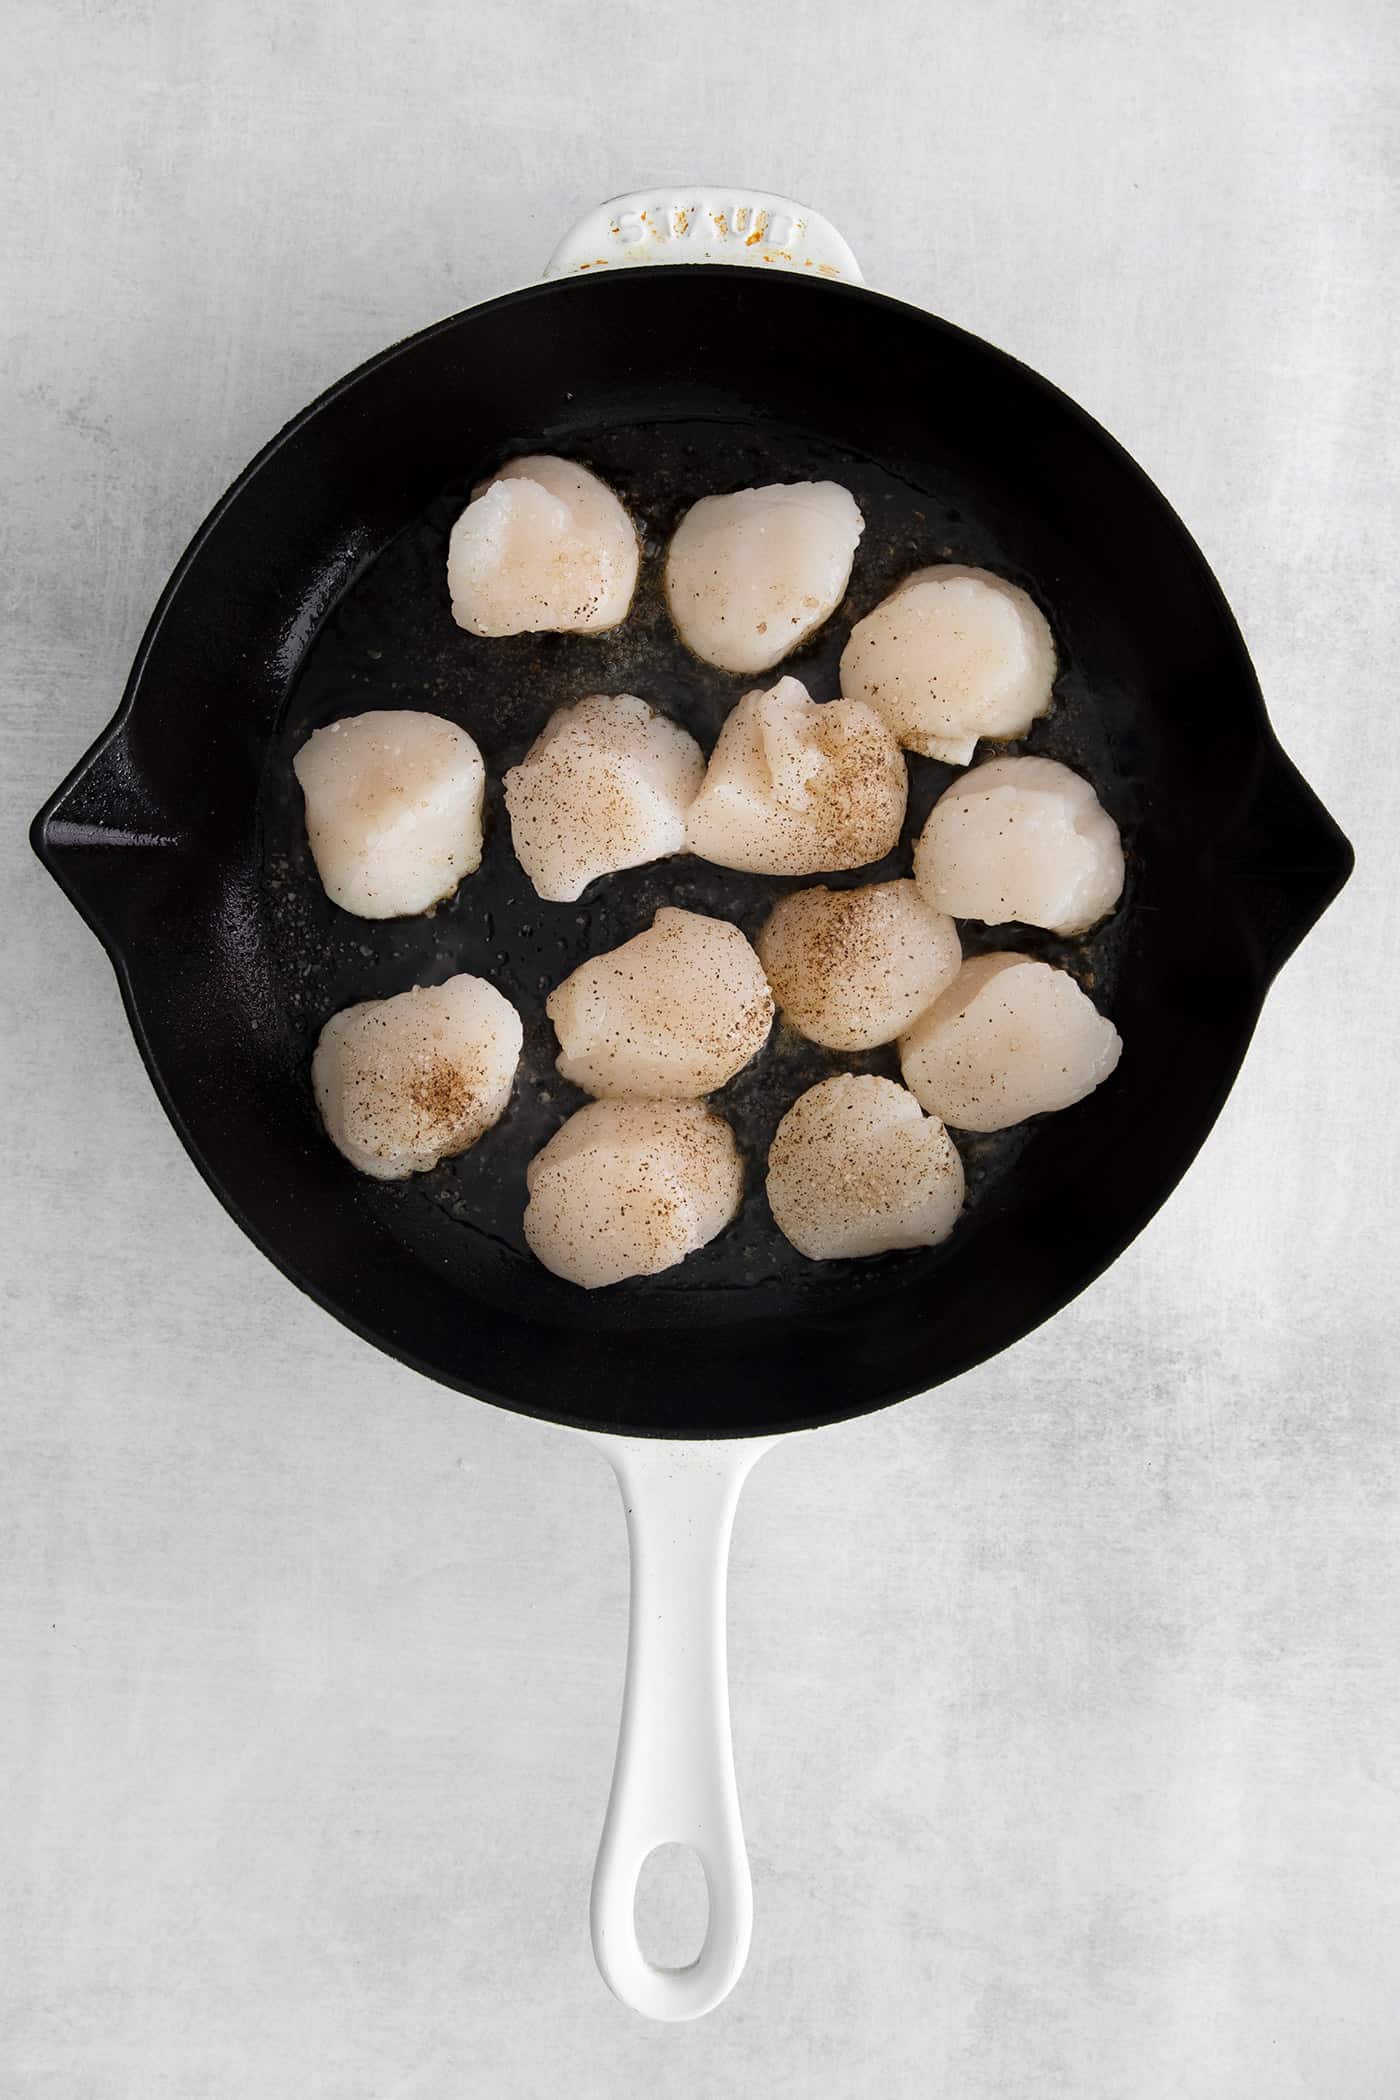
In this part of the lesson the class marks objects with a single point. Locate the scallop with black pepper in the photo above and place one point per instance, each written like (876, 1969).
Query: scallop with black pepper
(952, 655)
(1021, 838)
(670, 1015)
(1011, 1037)
(629, 1188)
(852, 968)
(393, 810)
(856, 1168)
(543, 546)
(750, 575)
(798, 788)
(402, 1083)
(605, 785)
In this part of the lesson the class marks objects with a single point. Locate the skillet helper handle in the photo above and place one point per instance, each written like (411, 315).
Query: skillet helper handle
(673, 1782)
(709, 224)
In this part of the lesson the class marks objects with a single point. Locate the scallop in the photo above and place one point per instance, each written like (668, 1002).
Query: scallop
(794, 788)
(852, 968)
(628, 1188)
(751, 575)
(668, 1016)
(952, 655)
(605, 785)
(1010, 1038)
(544, 545)
(856, 1168)
(393, 810)
(404, 1082)
(1021, 838)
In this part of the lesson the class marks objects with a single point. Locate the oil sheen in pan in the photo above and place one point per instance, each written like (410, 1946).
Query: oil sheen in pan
(391, 642)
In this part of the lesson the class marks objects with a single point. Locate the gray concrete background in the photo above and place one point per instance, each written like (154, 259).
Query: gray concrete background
(1067, 1700)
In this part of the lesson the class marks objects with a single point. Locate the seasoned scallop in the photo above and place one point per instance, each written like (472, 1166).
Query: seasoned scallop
(543, 545)
(751, 575)
(668, 1016)
(1021, 838)
(852, 968)
(605, 785)
(1010, 1038)
(793, 788)
(404, 1082)
(952, 655)
(393, 810)
(628, 1188)
(856, 1168)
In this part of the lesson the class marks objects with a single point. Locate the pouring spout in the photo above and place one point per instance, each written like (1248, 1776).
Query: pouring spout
(1287, 861)
(103, 837)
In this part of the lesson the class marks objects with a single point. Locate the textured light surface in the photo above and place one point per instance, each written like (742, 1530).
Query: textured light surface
(1067, 1701)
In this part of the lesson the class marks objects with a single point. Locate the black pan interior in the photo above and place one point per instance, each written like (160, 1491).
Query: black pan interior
(319, 590)
(391, 642)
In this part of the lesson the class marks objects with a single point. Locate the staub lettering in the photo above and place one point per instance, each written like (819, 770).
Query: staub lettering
(712, 225)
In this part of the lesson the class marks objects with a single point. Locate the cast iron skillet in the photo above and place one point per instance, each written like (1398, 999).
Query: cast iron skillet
(316, 588)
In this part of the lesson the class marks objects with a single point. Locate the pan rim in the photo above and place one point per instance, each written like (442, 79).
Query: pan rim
(127, 971)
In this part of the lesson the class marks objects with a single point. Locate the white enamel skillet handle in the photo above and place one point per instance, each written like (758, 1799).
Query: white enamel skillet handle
(735, 225)
(673, 1782)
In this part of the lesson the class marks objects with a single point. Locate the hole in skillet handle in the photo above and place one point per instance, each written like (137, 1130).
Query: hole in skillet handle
(671, 1909)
